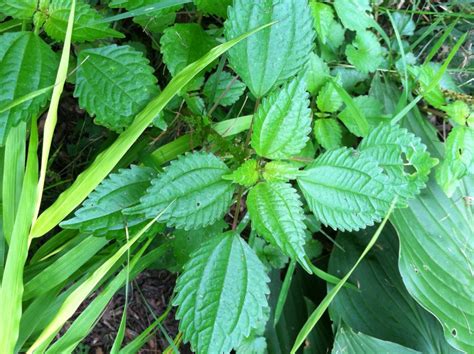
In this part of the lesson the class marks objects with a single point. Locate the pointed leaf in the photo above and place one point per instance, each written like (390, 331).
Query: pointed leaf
(246, 175)
(221, 295)
(328, 133)
(223, 88)
(323, 17)
(329, 99)
(317, 73)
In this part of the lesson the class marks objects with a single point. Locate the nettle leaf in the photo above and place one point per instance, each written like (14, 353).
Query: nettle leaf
(458, 111)
(27, 64)
(114, 83)
(328, 99)
(277, 215)
(317, 73)
(223, 88)
(328, 133)
(347, 341)
(274, 54)
(282, 122)
(86, 22)
(425, 75)
(20, 9)
(346, 190)
(370, 107)
(402, 156)
(354, 14)
(183, 44)
(221, 295)
(365, 53)
(102, 210)
(246, 175)
(192, 191)
(280, 171)
(323, 16)
(213, 7)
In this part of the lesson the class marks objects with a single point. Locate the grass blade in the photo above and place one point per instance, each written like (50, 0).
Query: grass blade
(106, 161)
(284, 292)
(317, 314)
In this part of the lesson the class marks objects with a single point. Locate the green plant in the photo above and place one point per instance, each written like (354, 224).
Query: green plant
(328, 139)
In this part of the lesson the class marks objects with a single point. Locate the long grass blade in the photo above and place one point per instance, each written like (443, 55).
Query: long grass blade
(284, 292)
(106, 161)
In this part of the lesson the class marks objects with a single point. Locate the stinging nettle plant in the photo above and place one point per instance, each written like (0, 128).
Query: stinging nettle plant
(316, 150)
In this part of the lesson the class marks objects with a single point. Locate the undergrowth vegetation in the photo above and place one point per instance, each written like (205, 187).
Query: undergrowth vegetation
(305, 167)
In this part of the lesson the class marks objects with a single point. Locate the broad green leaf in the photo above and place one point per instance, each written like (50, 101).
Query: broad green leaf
(402, 156)
(20, 9)
(102, 210)
(317, 73)
(365, 52)
(354, 14)
(347, 342)
(246, 175)
(280, 171)
(328, 133)
(87, 25)
(458, 111)
(221, 295)
(277, 214)
(282, 122)
(213, 7)
(275, 54)
(194, 182)
(223, 88)
(369, 107)
(381, 294)
(27, 64)
(329, 99)
(114, 83)
(182, 44)
(404, 23)
(346, 189)
(426, 76)
(323, 17)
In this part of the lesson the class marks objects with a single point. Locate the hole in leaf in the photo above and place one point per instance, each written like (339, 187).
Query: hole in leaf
(198, 204)
(454, 332)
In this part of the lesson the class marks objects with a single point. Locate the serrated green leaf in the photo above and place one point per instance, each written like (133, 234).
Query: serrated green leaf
(114, 83)
(328, 133)
(426, 75)
(275, 54)
(27, 64)
(346, 189)
(246, 175)
(282, 122)
(458, 111)
(86, 22)
(221, 295)
(402, 156)
(213, 7)
(354, 14)
(183, 44)
(20, 9)
(329, 99)
(370, 107)
(194, 182)
(348, 342)
(223, 88)
(277, 215)
(323, 17)
(317, 73)
(365, 52)
(280, 171)
(102, 210)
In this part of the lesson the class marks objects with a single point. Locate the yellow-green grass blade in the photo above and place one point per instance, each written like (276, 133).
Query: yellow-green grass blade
(322, 307)
(106, 161)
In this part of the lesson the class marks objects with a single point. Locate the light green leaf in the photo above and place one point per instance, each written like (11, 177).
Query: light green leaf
(246, 175)
(102, 210)
(430, 89)
(277, 215)
(275, 54)
(365, 53)
(354, 14)
(370, 310)
(329, 99)
(323, 17)
(20, 9)
(282, 122)
(27, 64)
(370, 107)
(328, 133)
(280, 171)
(221, 295)
(194, 182)
(458, 111)
(348, 342)
(317, 73)
(402, 156)
(223, 88)
(404, 23)
(86, 22)
(213, 7)
(182, 44)
(346, 189)
(113, 84)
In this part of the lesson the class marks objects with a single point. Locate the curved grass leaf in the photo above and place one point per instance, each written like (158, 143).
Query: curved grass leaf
(274, 54)
(221, 295)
